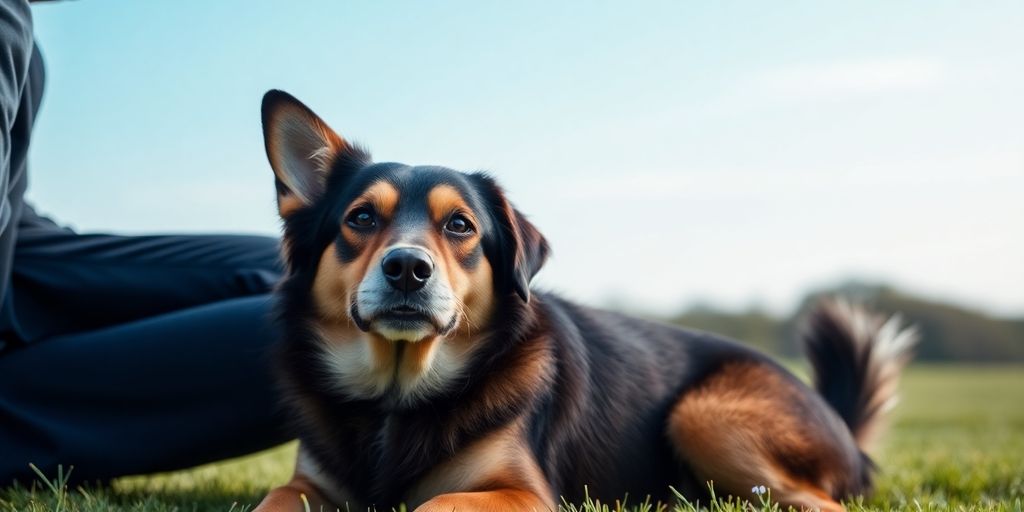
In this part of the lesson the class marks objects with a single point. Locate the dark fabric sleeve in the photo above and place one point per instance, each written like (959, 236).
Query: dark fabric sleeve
(21, 86)
(15, 55)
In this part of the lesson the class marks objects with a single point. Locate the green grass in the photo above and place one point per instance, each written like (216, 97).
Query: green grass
(957, 443)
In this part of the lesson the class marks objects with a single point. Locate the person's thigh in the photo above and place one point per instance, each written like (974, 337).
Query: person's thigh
(64, 282)
(158, 394)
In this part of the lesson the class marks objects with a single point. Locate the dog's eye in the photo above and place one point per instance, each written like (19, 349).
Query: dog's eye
(361, 218)
(459, 225)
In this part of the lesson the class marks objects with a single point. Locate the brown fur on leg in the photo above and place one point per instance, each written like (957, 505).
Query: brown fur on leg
(288, 498)
(497, 472)
(749, 425)
(486, 501)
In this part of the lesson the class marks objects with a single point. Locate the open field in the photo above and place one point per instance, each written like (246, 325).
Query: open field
(957, 443)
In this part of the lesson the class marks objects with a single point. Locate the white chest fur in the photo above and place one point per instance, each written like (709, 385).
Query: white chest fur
(367, 367)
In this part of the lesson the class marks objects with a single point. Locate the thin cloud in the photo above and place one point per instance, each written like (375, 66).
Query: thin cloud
(949, 169)
(857, 77)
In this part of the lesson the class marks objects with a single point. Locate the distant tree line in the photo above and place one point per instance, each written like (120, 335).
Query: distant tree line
(948, 332)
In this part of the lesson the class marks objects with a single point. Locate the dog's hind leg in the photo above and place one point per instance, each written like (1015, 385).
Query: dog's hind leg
(749, 424)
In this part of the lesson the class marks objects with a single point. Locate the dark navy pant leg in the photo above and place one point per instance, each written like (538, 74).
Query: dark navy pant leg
(134, 354)
(162, 393)
(64, 282)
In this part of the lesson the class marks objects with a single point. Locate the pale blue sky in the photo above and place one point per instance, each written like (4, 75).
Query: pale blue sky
(764, 147)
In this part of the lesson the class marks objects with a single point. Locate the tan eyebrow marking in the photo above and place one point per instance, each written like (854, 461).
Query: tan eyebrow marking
(382, 195)
(442, 200)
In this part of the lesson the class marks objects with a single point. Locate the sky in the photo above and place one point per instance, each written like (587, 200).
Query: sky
(732, 153)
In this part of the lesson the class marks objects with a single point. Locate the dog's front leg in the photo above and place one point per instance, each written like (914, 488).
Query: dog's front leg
(288, 498)
(304, 482)
(481, 501)
(498, 472)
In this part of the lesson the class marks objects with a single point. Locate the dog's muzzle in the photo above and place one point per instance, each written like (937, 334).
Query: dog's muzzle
(402, 299)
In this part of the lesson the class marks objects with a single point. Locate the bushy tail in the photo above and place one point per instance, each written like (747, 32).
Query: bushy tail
(856, 357)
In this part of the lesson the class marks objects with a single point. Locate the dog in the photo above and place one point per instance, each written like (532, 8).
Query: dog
(421, 369)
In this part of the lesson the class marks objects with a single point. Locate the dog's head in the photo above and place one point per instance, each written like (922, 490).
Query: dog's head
(389, 253)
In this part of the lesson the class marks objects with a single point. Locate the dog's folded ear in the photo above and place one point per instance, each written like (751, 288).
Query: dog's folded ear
(301, 149)
(521, 248)
(531, 251)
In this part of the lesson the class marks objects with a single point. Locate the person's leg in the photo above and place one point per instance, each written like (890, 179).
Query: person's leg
(162, 393)
(64, 282)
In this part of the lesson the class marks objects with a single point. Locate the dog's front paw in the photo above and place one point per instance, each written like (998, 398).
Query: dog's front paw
(448, 503)
(434, 505)
(297, 496)
(485, 501)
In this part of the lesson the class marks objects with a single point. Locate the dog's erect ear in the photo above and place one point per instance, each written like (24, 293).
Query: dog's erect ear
(301, 149)
(522, 249)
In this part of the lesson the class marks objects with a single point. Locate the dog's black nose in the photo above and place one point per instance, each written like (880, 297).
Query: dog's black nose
(407, 268)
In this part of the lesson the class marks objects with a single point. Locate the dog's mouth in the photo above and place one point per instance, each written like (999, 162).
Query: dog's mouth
(403, 322)
(404, 314)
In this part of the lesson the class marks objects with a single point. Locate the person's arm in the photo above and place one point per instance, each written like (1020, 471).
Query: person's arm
(15, 55)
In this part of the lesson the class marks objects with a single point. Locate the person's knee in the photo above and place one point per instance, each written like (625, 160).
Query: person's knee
(262, 268)
(269, 255)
